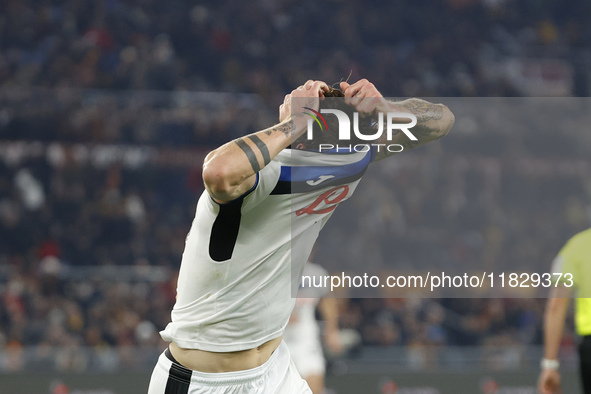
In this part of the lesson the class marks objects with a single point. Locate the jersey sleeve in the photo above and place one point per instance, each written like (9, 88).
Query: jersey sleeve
(266, 179)
(266, 182)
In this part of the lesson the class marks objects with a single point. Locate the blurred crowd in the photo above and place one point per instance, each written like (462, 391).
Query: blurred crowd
(67, 69)
(268, 47)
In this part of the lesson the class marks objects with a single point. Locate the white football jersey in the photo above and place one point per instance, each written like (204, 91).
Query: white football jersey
(235, 279)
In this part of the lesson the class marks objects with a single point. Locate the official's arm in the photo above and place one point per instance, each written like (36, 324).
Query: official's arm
(554, 319)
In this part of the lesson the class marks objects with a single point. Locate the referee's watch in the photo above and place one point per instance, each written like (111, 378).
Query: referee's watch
(549, 364)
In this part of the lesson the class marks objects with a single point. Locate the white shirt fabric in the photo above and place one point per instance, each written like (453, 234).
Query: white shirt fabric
(234, 292)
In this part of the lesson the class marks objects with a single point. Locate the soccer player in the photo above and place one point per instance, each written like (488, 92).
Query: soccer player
(267, 196)
(302, 334)
(574, 259)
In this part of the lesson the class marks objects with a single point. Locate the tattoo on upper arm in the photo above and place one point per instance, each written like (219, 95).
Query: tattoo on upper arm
(423, 110)
(252, 158)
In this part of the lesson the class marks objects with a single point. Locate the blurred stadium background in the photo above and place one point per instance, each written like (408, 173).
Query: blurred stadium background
(107, 109)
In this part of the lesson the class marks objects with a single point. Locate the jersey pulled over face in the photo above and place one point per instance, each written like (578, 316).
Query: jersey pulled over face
(235, 280)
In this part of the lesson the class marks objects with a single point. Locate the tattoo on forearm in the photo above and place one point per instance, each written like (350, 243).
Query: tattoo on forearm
(286, 128)
(424, 131)
(423, 110)
(252, 158)
(262, 147)
(250, 153)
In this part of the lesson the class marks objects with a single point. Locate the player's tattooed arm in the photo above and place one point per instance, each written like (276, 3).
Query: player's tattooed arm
(422, 109)
(259, 146)
(434, 121)
(257, 151)
(287, 128)
(230, 170)
(423, 133)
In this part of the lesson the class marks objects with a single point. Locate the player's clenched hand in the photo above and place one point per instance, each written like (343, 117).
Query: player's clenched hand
(549, 382)
(364, 96)
(306, 95)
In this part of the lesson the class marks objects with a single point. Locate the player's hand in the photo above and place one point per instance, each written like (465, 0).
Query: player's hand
(549, 382)
(364, 96)
(306, 95)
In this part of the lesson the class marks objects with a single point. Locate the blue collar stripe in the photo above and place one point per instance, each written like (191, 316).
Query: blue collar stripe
(304, 173)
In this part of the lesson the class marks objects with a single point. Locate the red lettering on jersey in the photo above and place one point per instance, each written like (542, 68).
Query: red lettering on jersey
(331, 197)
